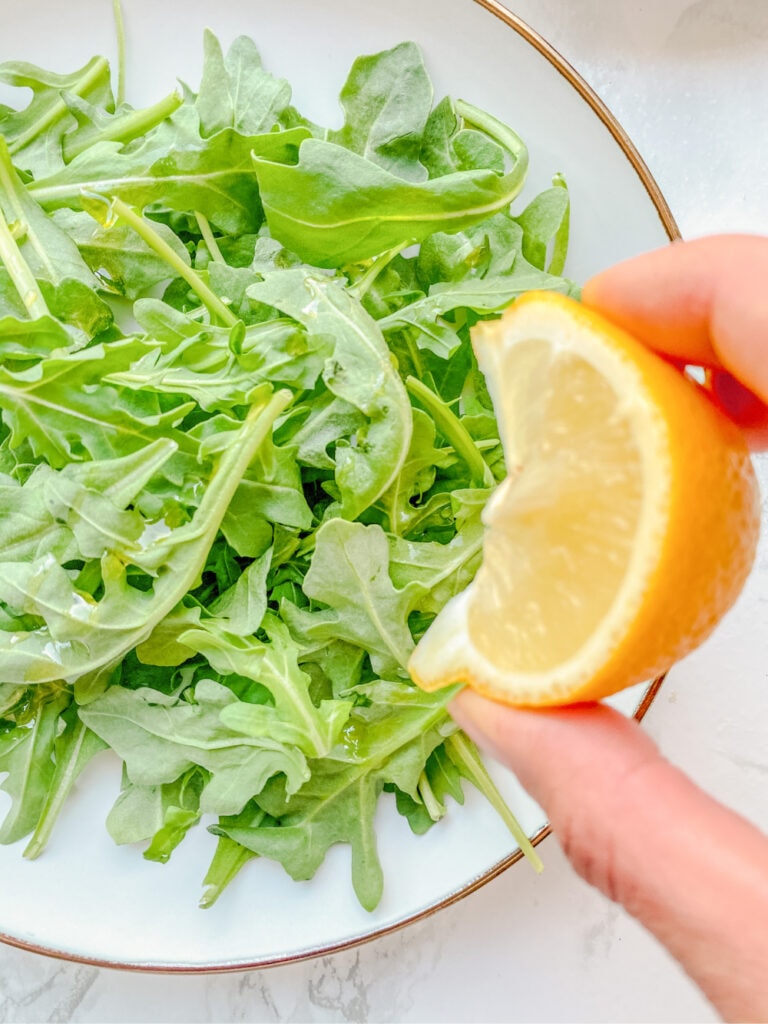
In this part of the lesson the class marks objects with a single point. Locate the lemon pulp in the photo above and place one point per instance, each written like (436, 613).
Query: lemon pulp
(561, 528)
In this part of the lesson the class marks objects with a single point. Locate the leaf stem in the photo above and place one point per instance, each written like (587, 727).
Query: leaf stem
(359, 288)
(435, 809)
(209, 238)
(502, 134)
(561, 239)
(117, 11)
(454, 431)
(16, 194)
(19, 272)
(124, 128)
(64, 779)
(108, 212)
(465, 756)
(58, 108)
(413, 352)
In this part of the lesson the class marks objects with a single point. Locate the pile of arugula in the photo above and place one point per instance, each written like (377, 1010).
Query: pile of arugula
(245, 447)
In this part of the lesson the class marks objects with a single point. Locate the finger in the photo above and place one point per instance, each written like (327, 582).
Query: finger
(690, 870)
(704, 302)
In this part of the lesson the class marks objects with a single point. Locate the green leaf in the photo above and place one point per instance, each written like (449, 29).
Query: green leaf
(230, 857)
(61, 407)
(272, 489)
(449, 145)
(26, 754)
(467, 759)
(242, 607)
(120, 260)
(26, 341)
(330, 420)
(181, 812)
(438, 571)
(236, 92)
(360, 372)
(83, 505)
(214, 365)
(294, 719)
(249, 536)
(73, 750)
(95, 124)
(162, 814)
(545, 223)
(160, 739)
(50, 256)
(35, 133)
(216, 179)
(334, 207)
(417, 474)
(440, 778)
(487, 295)
(349, 574)
(386, 100)
(163, 646)
(82, 634)
(338, 803)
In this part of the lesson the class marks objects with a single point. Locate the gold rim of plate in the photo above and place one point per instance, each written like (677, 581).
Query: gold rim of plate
(560, 64)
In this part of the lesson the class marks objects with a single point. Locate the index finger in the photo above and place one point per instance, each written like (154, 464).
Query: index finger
(703, 302)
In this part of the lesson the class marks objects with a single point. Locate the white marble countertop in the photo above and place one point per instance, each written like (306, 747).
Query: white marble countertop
(688, 81)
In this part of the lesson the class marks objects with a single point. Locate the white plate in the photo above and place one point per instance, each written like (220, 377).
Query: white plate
(87, 899)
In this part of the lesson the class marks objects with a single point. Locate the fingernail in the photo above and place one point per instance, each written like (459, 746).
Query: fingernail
(458, 711)
(737, 401)
(467, 710)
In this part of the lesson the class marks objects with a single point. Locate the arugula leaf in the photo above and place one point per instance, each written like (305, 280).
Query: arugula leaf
(161, 738)
(416, 475)
(35, 134)
(26, 754)
(440, 778)
(294, 719)
(215, 179)
(349, 573)
(83, 634)
(334, 207)
(360, 372)
(230, 857)
(26, 341)
(98, 124)
(62, 408)
(545, 223)
(50, 256)
(387, 99)
(73, 749)
(451, 143)
(243, 605)
(236, 92)
(122, 263)
(161, 814)
(489, 295)
(338, 802)
(181, 812)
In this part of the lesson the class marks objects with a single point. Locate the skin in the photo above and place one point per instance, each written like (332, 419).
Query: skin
(690, 870)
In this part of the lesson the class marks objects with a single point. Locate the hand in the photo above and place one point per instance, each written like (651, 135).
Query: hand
(693, 872)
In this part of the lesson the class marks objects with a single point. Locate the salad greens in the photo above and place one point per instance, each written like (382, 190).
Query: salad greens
(245, 447)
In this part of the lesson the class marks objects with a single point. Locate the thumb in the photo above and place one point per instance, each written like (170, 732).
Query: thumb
(694, 873)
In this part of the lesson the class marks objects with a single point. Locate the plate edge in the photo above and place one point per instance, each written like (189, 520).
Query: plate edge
(591, 97)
